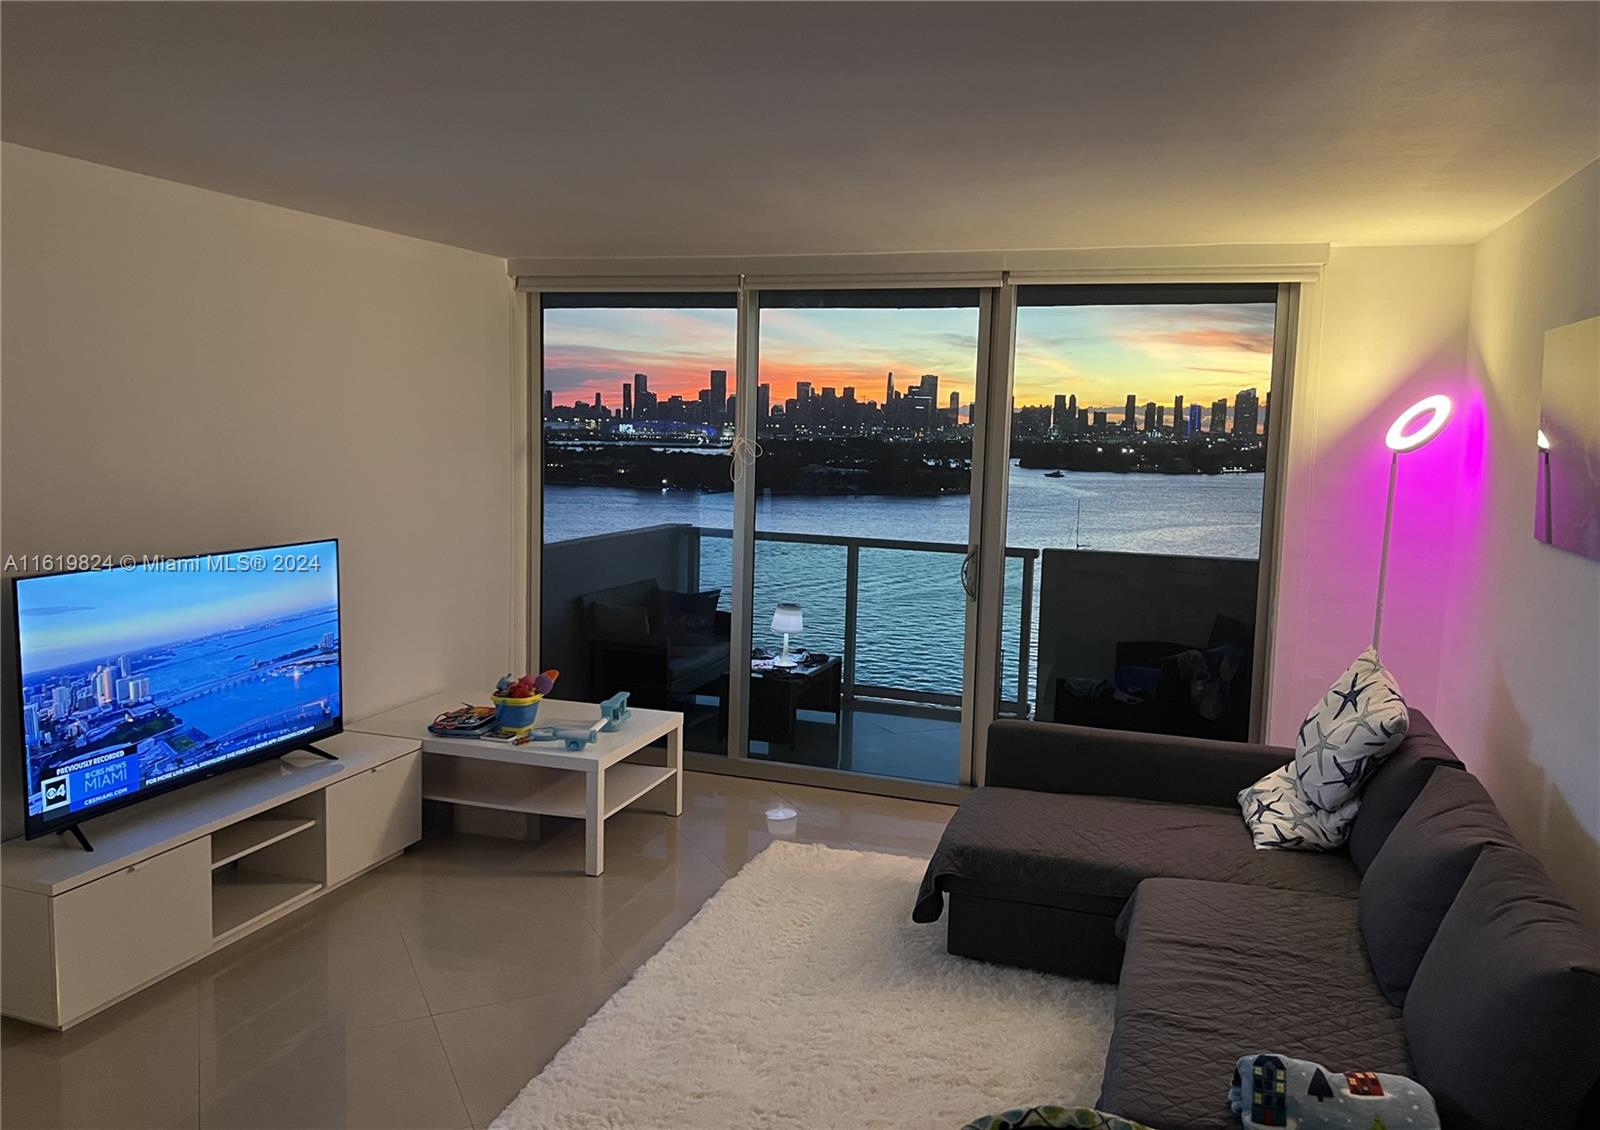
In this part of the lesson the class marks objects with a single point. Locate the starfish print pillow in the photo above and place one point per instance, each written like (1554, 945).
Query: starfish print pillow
(1310, 803)
(1359, 722)
(1279, 817)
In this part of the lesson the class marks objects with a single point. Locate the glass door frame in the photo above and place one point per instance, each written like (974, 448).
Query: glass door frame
(997, 288)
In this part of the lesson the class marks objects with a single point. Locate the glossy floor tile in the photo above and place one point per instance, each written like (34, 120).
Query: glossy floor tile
(426, 993)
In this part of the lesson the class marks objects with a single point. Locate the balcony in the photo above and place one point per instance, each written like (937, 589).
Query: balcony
(893, 615)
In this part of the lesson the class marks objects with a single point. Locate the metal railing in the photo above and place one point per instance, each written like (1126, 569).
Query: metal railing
(853, 547)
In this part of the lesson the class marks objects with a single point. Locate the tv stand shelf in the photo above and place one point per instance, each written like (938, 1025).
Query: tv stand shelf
(239, 840)
(184, 874)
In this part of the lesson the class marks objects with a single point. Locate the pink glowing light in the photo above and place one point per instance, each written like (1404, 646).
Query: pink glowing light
(1437, 410)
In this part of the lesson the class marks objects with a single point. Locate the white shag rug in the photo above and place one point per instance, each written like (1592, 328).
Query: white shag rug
(802, 995)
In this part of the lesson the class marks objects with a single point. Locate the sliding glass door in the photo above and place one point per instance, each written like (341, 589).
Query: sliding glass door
(940, 505)
(638, 502)
(1135, 493)
(862, 525)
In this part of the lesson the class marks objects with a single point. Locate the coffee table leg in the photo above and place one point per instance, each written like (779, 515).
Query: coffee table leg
(675, 763)
(594, 822)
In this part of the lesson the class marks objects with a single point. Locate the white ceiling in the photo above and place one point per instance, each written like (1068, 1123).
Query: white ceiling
(768, 128)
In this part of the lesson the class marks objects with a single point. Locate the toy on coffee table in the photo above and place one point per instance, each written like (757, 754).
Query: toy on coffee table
(614, 712)
(516, 702)
(573, 737)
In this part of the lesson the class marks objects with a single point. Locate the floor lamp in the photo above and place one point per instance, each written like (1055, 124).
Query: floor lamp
(1405, 435)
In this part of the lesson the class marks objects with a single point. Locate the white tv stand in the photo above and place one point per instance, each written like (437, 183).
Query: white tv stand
(178, 877)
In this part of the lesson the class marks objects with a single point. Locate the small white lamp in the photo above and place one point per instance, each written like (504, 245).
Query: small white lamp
(1405, 435)
(787, 619)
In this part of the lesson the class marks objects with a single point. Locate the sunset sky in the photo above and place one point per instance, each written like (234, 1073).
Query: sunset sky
(1098, 353)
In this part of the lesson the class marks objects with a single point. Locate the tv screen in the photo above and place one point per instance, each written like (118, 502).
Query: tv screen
(145, 677)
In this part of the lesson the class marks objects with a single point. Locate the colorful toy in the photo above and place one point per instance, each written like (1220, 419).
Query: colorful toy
(517, 703)
(614, 712)
(464, 722)
(574, 737)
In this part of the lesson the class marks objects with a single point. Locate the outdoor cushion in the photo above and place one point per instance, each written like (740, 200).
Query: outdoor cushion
(685, 617)
(1394, 785)
(1502, 1014)
(620, 620)
(1035, 846)
(1214, 971)
(1415, 878)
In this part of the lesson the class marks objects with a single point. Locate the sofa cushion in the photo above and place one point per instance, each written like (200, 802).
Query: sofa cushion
(1394, 785)
(1039, 847)
(1414, 879)
(1217, 970)
(1502, 1013)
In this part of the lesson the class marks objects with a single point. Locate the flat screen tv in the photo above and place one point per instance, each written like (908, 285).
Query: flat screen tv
(142, 678)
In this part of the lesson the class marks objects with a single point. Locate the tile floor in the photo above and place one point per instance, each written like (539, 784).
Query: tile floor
(427, 992)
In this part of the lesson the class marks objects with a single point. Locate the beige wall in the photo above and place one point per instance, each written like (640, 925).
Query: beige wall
(1523, 642)
(186, 371)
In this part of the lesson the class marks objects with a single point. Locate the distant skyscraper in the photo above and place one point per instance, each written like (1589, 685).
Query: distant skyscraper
(30, 722)
(1085, 420)
(1099, 420)
(549, 402)
(1180, 423)
(955, 408)
(888, 389)
(1127, 413)
(1058, 414)
(122, 666)
(802, 391)
(104, 690)
(1150, 416)
(763, 401)
(627, 401)
(929, 386)
(60, 702)
(719, 396)
(1219, 416)
(597, 402)
(1196, 416)
(732, 409)
(641, 396)
(1244, 413)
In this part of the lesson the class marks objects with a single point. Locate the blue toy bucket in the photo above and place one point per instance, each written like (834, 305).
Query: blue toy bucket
(516, 713)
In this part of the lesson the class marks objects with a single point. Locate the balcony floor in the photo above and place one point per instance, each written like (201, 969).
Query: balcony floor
(878, 738)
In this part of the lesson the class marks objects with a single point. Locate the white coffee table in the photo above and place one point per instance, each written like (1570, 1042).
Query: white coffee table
(546, 778)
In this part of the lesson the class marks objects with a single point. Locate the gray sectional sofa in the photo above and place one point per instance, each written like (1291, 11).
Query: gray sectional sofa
(1433, 947)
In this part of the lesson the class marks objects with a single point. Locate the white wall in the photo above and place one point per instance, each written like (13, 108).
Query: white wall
(1524, 638)
(1392, 329)
(186, 371)
(1492, 634)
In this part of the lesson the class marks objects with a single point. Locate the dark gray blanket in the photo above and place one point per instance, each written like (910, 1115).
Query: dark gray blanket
(1052, 847)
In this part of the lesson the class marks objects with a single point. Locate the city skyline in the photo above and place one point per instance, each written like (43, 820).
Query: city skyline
(1096, 353)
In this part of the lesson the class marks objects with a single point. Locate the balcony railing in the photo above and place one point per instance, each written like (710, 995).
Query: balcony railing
(1019, 644)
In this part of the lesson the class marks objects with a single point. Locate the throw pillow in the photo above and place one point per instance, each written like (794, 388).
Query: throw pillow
(1359, 722)
(687, 617)
(621, 620)
(1279, 817)
(1272, 1091)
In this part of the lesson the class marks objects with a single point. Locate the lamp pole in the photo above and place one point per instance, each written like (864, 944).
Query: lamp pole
(1383, 559)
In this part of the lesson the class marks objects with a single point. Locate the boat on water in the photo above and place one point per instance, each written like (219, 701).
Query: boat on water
(1055, 474)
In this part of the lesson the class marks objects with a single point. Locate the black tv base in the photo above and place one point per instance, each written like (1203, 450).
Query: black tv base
(77, 834)
(318, 750)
